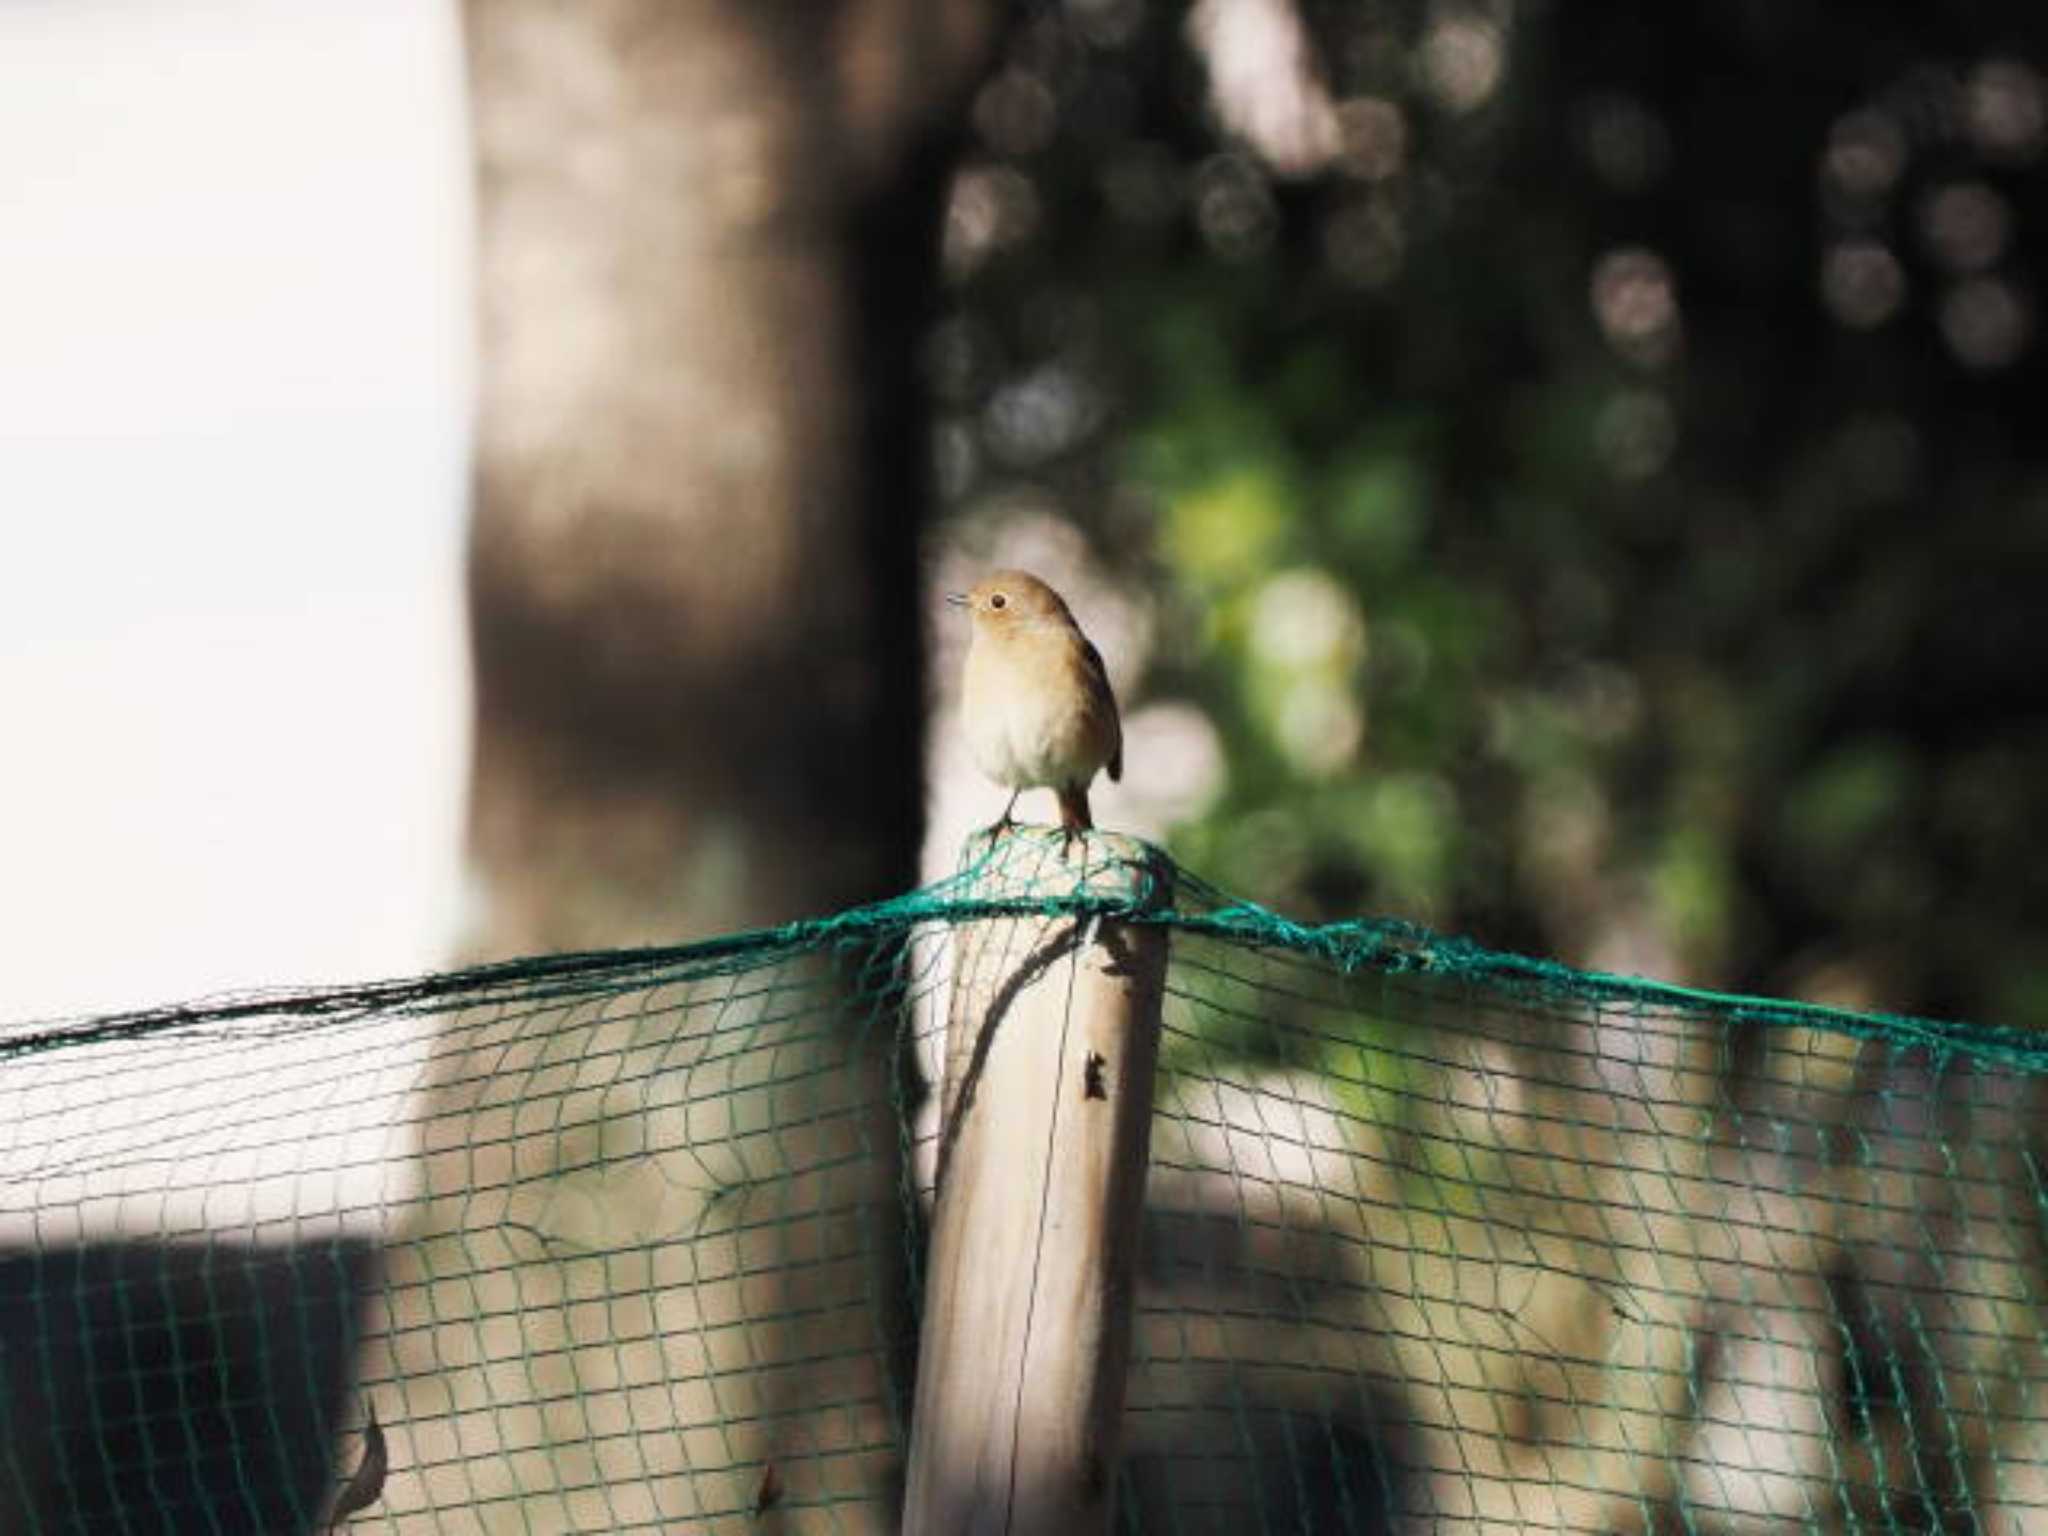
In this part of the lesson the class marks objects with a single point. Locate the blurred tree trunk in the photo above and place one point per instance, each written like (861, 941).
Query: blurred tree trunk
(708, 236)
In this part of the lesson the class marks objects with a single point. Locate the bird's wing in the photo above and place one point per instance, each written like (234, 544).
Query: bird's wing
(1098, 684)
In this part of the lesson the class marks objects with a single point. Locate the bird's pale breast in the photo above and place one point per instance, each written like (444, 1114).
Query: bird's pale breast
(1029, 713)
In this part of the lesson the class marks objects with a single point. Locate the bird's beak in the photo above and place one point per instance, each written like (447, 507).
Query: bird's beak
(957, 599)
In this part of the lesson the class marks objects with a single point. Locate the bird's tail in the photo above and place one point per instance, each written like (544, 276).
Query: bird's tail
(1074, 815)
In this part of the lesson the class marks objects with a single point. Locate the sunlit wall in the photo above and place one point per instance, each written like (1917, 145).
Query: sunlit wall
(233, 338)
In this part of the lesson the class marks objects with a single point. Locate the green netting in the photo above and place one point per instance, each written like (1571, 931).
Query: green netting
(1437, 1239)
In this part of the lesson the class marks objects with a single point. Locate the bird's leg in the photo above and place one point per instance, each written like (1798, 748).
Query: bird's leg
(1075, 821)
(1005, 821)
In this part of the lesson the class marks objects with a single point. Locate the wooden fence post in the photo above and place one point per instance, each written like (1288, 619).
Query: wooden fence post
(1052, 1039)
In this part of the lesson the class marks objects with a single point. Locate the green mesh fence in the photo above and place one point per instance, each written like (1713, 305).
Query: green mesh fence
(1438, 1239)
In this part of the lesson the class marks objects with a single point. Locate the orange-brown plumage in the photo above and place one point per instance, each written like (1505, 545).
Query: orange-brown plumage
(1035, 703)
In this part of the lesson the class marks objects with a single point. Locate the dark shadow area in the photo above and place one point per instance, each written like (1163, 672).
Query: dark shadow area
(1621, 455)
(1222, 1436)
(1287, 1473)
(150, 1388)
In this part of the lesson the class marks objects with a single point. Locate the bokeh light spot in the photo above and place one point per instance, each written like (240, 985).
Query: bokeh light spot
(991, 208)
(1318, 726)
(2007, 106)
(1635, 301)
(1228, 527)
(1986, 322)
(1865, 156)
(1306, 618)
(1015, 113)
(1862, 283)
(1407, 827)
(1965, 225)
(1179, 767)
(1044, 413)
(1462, 60)
(1375, 135)
(1264, 84)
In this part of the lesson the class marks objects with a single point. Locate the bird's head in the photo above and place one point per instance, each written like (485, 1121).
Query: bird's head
(1009, 598)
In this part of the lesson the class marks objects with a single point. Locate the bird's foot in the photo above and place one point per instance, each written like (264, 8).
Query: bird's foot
(1006, 823)
(996, 831)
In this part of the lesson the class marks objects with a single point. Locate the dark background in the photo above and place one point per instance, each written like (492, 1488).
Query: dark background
(1667, 410)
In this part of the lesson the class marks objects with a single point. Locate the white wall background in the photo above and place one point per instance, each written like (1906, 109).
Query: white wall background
(234, 331)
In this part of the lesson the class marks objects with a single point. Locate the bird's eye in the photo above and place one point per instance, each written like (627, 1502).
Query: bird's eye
(999, 601)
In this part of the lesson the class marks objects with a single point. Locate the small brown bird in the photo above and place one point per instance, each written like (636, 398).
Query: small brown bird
(1035, 701)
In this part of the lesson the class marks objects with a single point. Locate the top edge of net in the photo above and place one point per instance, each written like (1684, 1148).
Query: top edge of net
(1113, 877)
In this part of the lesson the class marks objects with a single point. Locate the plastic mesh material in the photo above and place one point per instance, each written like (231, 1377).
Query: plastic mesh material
(1438, 1239)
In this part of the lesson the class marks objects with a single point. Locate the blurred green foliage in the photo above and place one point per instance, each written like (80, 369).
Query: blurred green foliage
(1602, 510)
